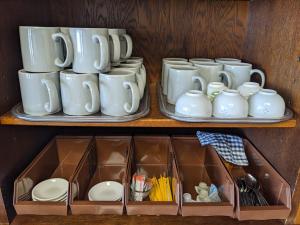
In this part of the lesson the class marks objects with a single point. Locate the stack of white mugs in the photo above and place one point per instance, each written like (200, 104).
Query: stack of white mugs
(79, 70)
(201, 87)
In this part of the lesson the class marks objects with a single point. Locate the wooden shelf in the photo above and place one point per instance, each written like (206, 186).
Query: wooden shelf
(153, 119)
(134, 220)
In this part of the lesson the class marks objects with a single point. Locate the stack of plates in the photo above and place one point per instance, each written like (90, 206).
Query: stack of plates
(106, 191)
(54, 189)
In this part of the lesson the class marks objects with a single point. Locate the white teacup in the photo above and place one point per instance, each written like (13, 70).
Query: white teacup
(227, 60)
(230, 104)
(42, 49)
(119, 93)
(266, 103)
(212, 72)
(40, 92)
(215, 88)
(193, 103)
(126, 44)
(165, 73)
(182, 79)
(79, 93)
(91, 49)
(241, 73)
(114, 46)
(249, 88)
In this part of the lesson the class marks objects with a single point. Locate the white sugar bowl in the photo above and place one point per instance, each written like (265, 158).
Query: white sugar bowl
(193, 103)
(230, 104)
(249, 88)
(266, 104)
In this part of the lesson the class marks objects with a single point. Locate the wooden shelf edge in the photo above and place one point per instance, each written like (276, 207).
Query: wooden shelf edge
(9, 119)
(153, 119)
(134, 220)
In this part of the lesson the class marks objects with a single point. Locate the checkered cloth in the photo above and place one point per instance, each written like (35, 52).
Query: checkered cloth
(230, 147)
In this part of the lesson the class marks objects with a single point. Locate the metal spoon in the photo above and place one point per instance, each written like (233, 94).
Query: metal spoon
(253, 184)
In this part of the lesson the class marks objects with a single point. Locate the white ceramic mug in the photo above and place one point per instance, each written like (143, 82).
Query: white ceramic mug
(212, 72)
(230, 104)
(42, 49)
(200, 60)
(266, 104)
(114, 46)
(182, 79)
(241, 73)
(140, 71)
(40, 92)
(139, 78)
(165, 72)
(79, 93)
(135, 58)
(91, 50)
(126, 44)
(119, 93)
(227, 60)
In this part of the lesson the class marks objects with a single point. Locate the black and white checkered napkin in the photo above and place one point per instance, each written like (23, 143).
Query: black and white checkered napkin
(230, 147)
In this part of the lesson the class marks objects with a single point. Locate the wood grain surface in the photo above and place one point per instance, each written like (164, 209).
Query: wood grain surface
(273, 44)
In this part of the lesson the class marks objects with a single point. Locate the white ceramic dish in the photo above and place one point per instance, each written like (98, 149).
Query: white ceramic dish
(50, 189)
(106, 191)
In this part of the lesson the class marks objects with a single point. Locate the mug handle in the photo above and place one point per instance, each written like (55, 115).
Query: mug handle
(53, 103)
(261, 74)
(140, 83)
(143, 73)
(104, 52)
(202, 81)
(69, 50)
(228, 76)
(94, 91)
(135, 97)
(117, 47)
(129, 45)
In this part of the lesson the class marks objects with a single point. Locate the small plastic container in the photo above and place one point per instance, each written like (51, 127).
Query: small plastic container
(154, 155)
(59, 159)
(202, 164)
(106, 161)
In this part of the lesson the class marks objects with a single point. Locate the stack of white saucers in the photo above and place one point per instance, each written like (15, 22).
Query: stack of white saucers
(106, 191)
(54, 189)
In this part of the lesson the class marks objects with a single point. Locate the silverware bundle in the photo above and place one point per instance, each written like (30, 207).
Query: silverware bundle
(250, 194)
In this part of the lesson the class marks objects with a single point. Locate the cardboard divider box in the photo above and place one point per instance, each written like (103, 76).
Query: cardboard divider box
(202, 164)
(106, 161)
(59, 159)
(154, 155)
(273, 187)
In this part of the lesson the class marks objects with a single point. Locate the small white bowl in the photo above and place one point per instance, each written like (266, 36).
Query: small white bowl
(194, 104)
(106, 191)
(51, 189)
(266, 104)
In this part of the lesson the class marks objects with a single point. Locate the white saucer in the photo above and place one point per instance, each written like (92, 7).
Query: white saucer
(106, 191)
(51, 189)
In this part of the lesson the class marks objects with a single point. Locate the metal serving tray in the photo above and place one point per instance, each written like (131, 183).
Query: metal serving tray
(169, 111)
(143, 110)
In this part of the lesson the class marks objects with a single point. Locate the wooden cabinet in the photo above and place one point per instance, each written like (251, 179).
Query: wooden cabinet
(265, 33)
